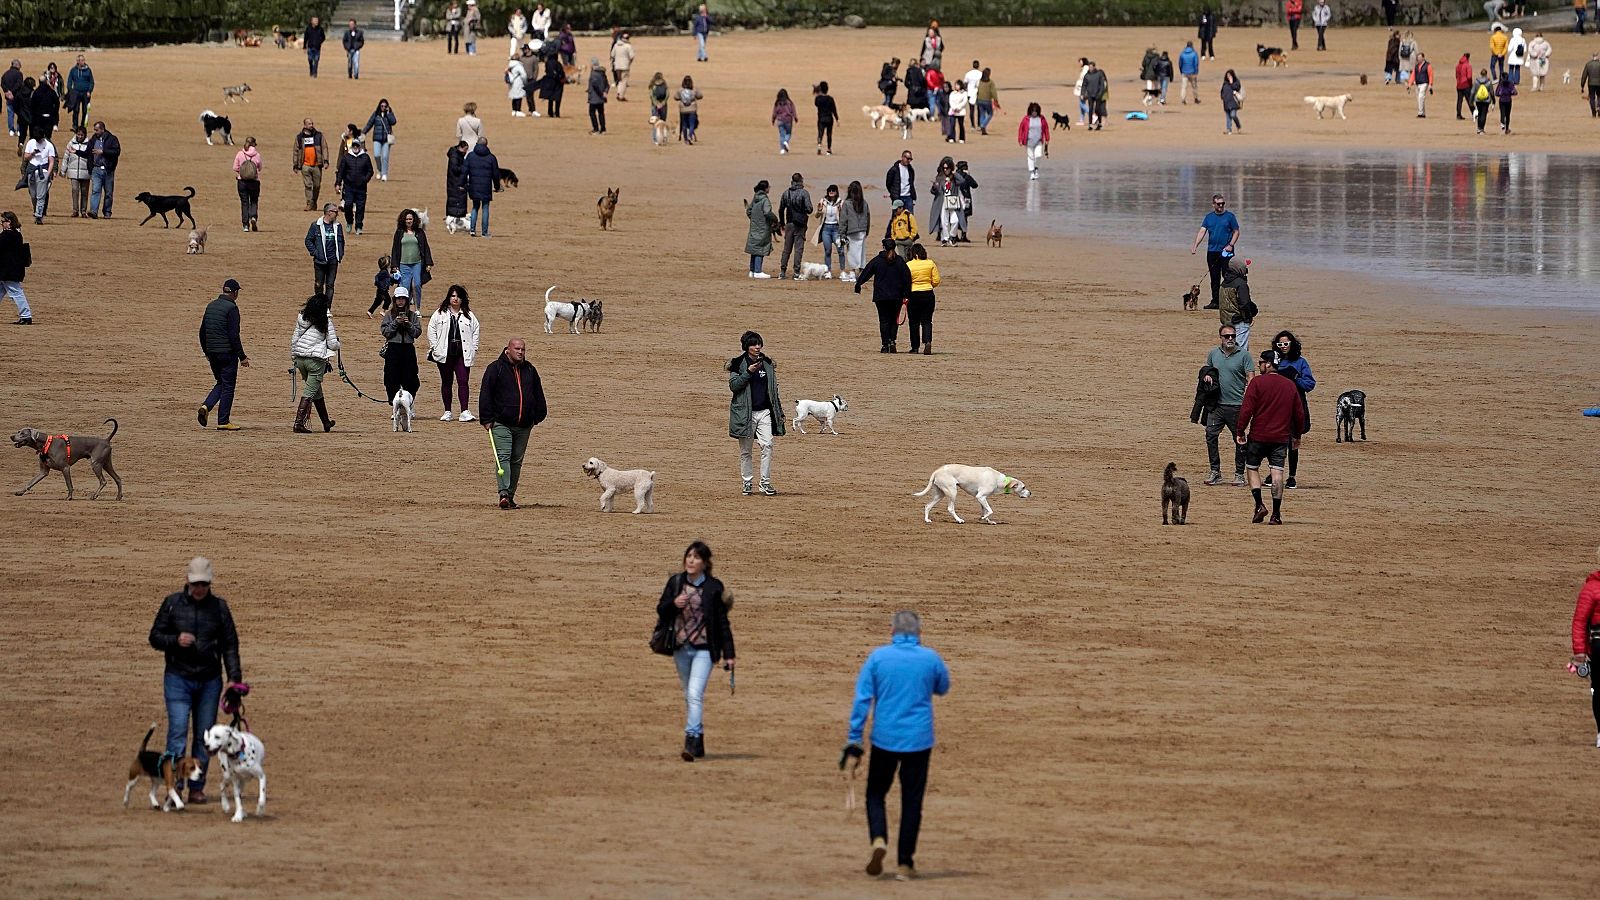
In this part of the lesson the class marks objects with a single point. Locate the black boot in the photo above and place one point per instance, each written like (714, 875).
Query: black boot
(699, 746)
(300, 416)
(322, 413)
(688, 748)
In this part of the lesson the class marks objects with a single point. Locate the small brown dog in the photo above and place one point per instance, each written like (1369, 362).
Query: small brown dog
(1174, 496)
(197, 241)
(607, 207)
(168, 775)
(994, 237)
(1191, 300)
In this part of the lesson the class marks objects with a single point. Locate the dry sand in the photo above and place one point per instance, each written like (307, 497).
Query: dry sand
(458, 701)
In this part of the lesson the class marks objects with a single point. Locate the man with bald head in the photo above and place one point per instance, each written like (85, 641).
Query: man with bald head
(510, 403)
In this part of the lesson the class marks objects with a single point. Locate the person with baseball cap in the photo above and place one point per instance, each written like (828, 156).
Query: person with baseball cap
(1271, 420)
(219, 341)
(897, 685)
(401, 327)
(194, 628)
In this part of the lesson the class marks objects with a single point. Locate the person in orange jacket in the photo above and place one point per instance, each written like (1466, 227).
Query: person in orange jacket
(1585, 629)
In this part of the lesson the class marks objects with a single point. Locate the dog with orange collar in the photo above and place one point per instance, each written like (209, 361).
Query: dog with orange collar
(60, 451)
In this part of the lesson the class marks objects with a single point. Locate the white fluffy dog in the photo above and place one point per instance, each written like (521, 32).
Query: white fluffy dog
(573, 312)
(979, 481)
(242, 754)
(921, 114)
(643, 483)
(455, 224)
(822, 410)
(404, 410)
(814, 270)
(1335, 103)
(422, 218)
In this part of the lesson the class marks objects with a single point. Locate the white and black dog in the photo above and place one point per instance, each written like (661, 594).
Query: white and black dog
(214, 123)
(1351, 409)
(822, 410)
(404, 410)
(242, 754)
(574, 312)
(979, 481)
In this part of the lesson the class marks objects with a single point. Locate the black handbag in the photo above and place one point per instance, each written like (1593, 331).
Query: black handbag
(664, 640)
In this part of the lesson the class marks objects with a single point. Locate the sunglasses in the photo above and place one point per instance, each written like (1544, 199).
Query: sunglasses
(1219, 203)
(200, 584)
(1229, 337)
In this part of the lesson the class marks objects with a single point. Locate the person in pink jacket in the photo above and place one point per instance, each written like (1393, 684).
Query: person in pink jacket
(1585, 629)
(248, 180)
(1033, 135)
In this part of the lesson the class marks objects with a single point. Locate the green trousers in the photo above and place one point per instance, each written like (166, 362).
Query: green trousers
(311, 371)
(509, 445)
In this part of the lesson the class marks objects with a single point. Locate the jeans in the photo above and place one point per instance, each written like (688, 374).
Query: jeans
(700, 56)
(1514, 73)
(933, 103)
(323, 275)
(688, 125)
(411, 280)
(454, 371)
(694, 670)
(1165, 83)
(919, 312)
(910, 200)
(11, 118)
(312, 58)
(510, 444)
(1220, 417)
(452, 41)
(794, 241)
(1243, 330)
(760, 433)
(784, 130)
(830, 237)
(13, 291)
(185, 698)
(1083, 110)
(1582, 13)
(472, 45)
(352, 63)
(985, 113)
(1214, 265)
(1497, 66)
(881, 766)
(755, 262)
(380, 157)
(225, 372)
(472, 220)
(1230, 121)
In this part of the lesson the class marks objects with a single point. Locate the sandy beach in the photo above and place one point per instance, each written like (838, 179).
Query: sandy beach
(459, 701)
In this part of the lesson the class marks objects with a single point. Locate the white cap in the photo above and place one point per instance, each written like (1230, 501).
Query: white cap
(402, 291)
(199, 570)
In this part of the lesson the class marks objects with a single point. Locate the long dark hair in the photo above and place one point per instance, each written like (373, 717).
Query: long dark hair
(382, 102)
(1294, 345)
(783, 96)
(919, 252)
(853, 194)
(761, 186)
(400, 220)
(315, 312)
(699, 548)
(444, 305)
(1035, 109)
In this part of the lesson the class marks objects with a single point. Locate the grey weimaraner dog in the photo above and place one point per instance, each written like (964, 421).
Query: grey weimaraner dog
(60, 451)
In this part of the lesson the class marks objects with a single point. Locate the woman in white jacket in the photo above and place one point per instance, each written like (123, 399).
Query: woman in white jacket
(1539, 60)
(517, 77)
(1516, 55)
(1077, 90)
(314, 342)
(452, 344)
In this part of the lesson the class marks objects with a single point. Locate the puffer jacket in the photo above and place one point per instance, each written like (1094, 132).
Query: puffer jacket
(1586, 614)
(380, 126)
(75, 162)
(455, 183)
(1147, 66)
(216, 641)
(716, 603)
(311, 342)
(481, 173)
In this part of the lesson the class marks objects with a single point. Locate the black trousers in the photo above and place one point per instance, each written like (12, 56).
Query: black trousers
(825, 128)
(1208, 46)
(881, 766)
(325, 274)
(1483, 114)
(1294, 33)
(400, 370)
(597, 117)
(1214, 263)
(249, 200)
(919, 313)
(452, 42)
(1594, 99)
(552, 103)
(1505, 114)
(1463, 95)
(355, 207)
(1322, 37)
(888, 320)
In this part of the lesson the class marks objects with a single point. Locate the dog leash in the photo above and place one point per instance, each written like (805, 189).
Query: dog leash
(339, 355)
(904, 305)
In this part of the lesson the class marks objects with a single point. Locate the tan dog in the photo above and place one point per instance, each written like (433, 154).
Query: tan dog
(60, 451)
(659, 132)
(197, 241)
(168, 775)
(1335, 103)
(994, 237)
(1191, 300)
(607, 207)
(641, 481)
(882, 117)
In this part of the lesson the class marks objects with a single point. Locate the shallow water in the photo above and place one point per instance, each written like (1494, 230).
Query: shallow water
(1520, 228)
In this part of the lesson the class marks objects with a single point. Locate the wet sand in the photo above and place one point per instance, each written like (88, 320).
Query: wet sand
(457, 700)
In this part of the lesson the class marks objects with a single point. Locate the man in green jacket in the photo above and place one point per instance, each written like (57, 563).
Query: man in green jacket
(755, 413)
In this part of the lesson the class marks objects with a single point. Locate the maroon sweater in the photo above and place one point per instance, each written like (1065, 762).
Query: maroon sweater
(1272, 413)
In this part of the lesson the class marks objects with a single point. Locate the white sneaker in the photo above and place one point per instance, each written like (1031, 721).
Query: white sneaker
(535, 114)
(1033, 176)
(1597, 742)
(760, 275)
(519, 115)
(447, 417)
(467, 416)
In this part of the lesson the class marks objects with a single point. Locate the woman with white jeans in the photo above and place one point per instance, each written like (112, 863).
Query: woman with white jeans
(694, 610)
(1034, 137)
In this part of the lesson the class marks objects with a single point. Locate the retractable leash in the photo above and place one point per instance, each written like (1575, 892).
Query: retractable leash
(339, 355)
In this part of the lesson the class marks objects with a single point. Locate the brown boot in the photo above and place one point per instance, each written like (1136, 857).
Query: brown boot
(927, 348)
(300, 416)
(322, 413)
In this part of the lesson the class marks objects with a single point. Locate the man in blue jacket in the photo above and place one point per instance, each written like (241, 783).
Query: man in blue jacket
(80, 89)
(325, 243)
(701, 26)
(1189, 68)
(901, 678)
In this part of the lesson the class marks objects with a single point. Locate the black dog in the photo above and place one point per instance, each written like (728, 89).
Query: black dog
(1352, 408)
(506, 177)
(214, 123)
(1062, 121)
(161, 204)
(1273, 55)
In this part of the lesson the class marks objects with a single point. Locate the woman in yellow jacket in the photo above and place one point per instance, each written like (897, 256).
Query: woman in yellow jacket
(924, 278)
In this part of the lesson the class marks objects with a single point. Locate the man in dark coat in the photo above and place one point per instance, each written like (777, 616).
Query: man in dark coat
(103, 153)
(219, 341)
(481, 179)
(510, 403)
(354, 40)
(45, 109)
(455, 181)
(351, 178)
(9, 82)
(314, 38)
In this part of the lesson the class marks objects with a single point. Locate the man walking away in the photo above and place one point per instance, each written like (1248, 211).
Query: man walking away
(755, 414)
(314, 37)
(891, 289)
(1270, 423)
(897, 685)
(354, 40)
(794, 214)
(194, 628)
(510, 403)
(219, 341)
(1233, 374)
(1463, 84)
(9, 82)
(1590, 82)
(1189, 68)
(1220, 232)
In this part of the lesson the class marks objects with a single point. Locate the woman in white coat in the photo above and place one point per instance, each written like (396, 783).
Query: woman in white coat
(1516, 55)
(517, 78)
(315, 341)
(452, 344)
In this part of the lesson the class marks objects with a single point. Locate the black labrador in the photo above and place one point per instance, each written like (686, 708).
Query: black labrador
(161, 204)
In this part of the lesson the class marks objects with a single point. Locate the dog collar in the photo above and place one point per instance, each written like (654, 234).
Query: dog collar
(52, 438)
(835, 404)
(1006, 488)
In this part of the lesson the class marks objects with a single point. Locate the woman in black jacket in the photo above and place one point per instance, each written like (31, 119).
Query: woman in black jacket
(14, 260)
(455, 184)
(695, 606)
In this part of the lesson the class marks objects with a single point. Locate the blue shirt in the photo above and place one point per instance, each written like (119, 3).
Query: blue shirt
(901, 678)
(1188, 62)
(1220, 227)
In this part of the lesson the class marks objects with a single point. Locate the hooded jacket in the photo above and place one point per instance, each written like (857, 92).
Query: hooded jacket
(355, 171)
(1147, 66)
(455, 183)
(481, 174)
(1517, 50)
(1463, 72)
(216, 641)
(1206, 396)
(716, 603)
(1188, 63)
(897, 685)
(251, 153)
(598, 86)
(890, 276)
(1235, 302)
(741, 413)
(511, 394)
(758, 242)
(1586, 614)
(1095, 85)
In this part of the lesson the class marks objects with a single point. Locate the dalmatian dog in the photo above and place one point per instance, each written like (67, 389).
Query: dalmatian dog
(404, 411)
(242, 754)
(822, 410)
(573, 312)
(979, 481)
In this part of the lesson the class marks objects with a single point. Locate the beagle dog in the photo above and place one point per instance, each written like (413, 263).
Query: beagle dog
(167, 775)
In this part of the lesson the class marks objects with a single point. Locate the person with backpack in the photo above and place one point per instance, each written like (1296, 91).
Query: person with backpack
(692, 627)
(794, 214)
(1422, 77)
(15, 258)
(247, 178)
(1482, 96)
(1408, 57)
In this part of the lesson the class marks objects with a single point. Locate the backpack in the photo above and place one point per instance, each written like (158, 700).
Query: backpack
(1405, 51)
(247, 170)
(1481, 95)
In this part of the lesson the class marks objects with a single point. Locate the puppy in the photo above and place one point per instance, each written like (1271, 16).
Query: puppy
(606, 207)
(214, 123)
(814, 270)
(61, 451)
(236, 92)
(404, 410)
(594, 318)
(161, 204)
(197, 241)
(573, 312)
(994, 238)
(920, 114)
(242, 754)
(168, 775)
(1350, 409)
(642, 482)
(659, 132)
(1061, 121)
(506, 178)
(1273, 55)
(1335, 103)
(979, 481)
(1191, 300)
(1174, 495)
(823, 411)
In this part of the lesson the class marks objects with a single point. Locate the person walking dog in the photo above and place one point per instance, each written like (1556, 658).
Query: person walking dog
(510, 403)
(693, 609)
(891, 288)
(219, 340)
(195, 629)
(755, 414)
(897, 685)
(315, 341)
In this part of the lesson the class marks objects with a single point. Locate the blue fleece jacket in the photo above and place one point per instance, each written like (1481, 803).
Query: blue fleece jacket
(1302, 373)
(1188, 62)
(901, 678)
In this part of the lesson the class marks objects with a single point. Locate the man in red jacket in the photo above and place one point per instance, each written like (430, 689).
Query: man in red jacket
(1270, 422)
(1463, 83)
